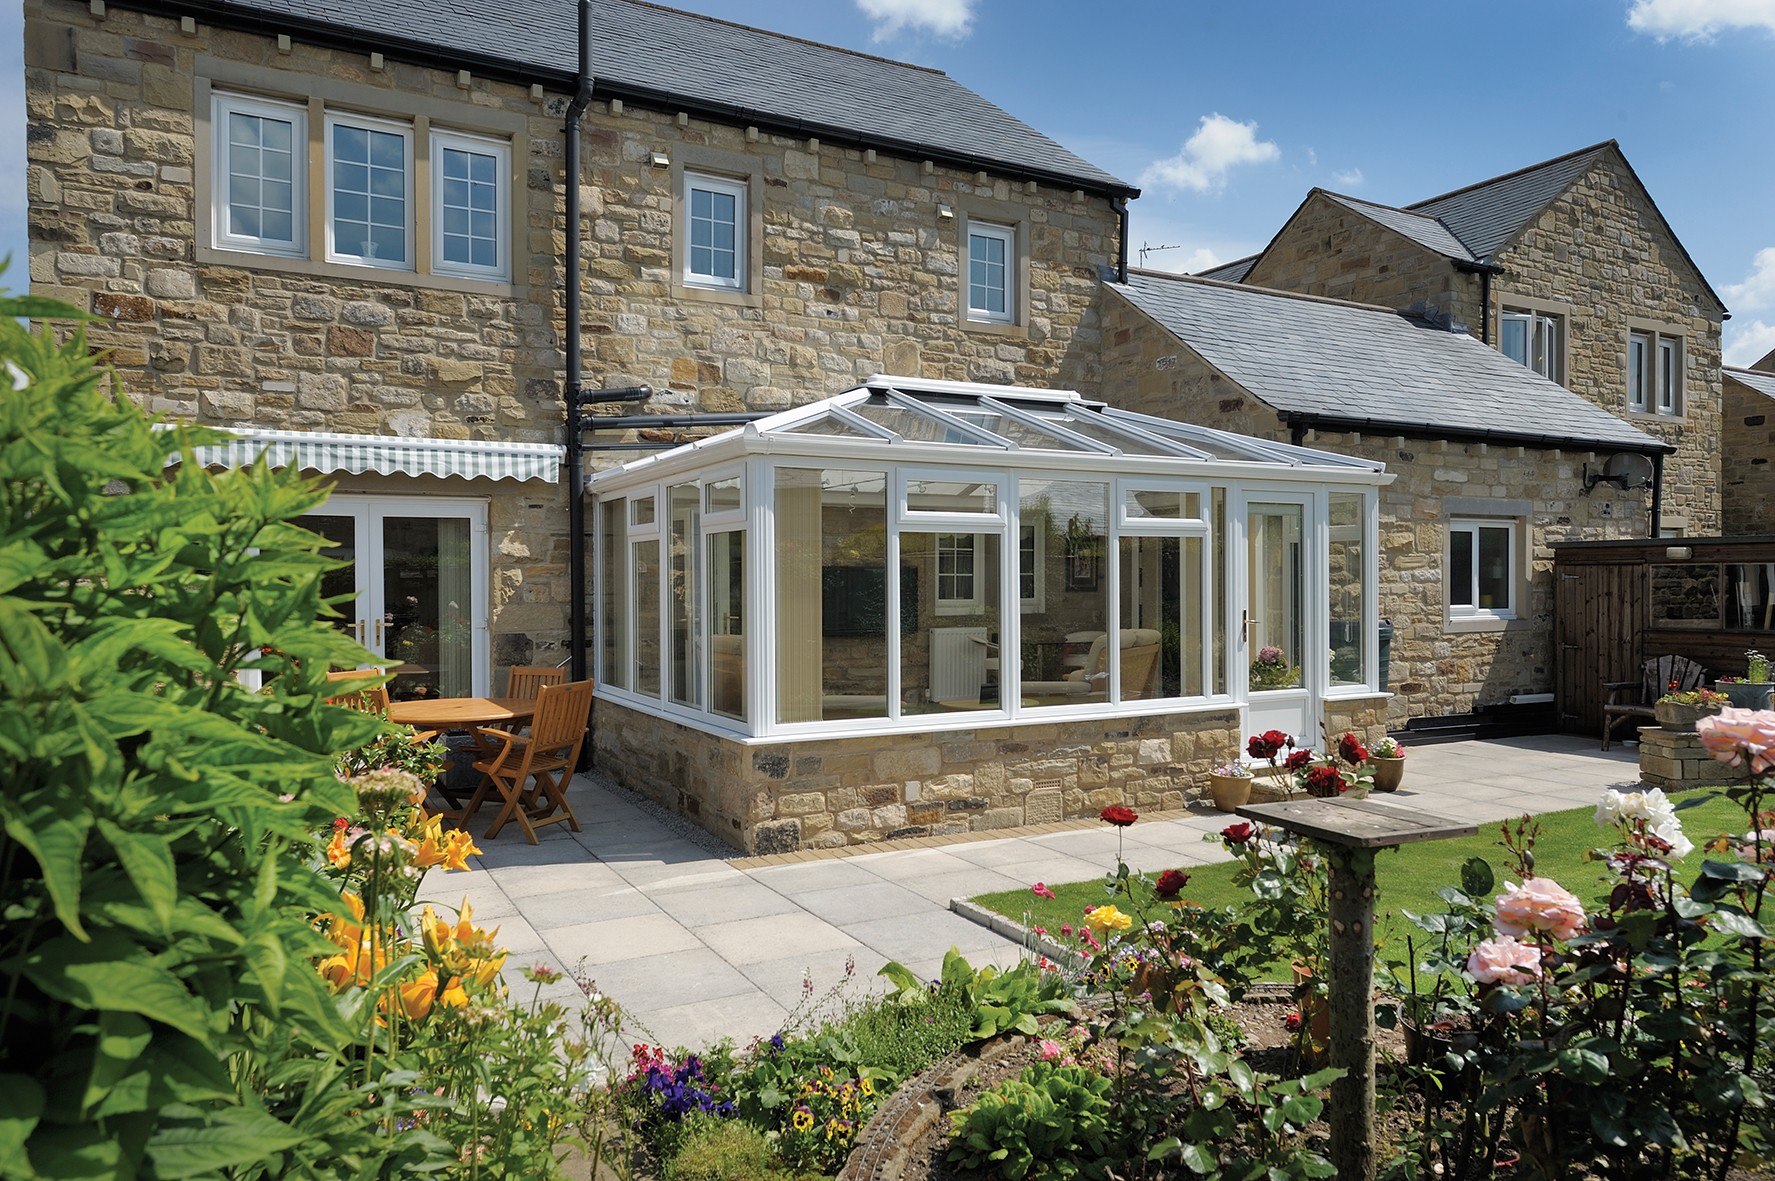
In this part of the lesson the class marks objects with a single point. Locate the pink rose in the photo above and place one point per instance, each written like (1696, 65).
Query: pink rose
(1502, 960)
(1539, 904)
(1040, 890)
(1734, 735)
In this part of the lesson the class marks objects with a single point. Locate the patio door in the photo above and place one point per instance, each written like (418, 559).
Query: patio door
(416, 571)
(1271, 654)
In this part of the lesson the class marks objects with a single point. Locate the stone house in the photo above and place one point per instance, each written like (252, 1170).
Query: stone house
(1747, 475)
(339, 230)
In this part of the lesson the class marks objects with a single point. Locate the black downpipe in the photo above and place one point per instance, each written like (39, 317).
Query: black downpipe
(1485, 305)
(576, 511)
(1657, 529)
(1120, 205)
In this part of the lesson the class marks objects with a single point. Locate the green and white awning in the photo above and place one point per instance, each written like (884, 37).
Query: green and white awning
(390, 455)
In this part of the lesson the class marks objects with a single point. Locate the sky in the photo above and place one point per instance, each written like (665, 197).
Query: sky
(1226, 114)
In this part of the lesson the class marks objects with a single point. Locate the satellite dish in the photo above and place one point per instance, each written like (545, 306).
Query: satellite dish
(1628, 470)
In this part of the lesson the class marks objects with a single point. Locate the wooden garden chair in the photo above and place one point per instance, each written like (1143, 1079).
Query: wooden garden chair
(531, 771)
(1658, 676)
(525, 679)
(363, 695)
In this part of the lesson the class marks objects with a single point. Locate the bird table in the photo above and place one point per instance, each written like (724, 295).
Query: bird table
(1349, 831)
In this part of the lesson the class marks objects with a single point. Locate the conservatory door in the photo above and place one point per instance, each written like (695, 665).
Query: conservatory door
(1270, 642)
(416, 571)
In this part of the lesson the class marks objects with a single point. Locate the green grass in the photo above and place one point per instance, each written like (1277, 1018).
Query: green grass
(1408, 876)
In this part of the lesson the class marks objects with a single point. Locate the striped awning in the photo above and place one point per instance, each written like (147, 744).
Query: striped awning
(390, 455)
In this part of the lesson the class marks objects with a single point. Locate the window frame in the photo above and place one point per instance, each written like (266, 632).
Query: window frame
(335, 119)
(222, 104)
(740, 191)
(449, 139)
(1471, 612)
(1542, 328)
(1656, 372)
(1006, 235)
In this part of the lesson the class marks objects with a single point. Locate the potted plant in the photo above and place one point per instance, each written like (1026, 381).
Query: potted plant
(1751, 691)
(1271, 670)
(1342, 770)
(1230, 785)
(1680, 710)
(1388, 760)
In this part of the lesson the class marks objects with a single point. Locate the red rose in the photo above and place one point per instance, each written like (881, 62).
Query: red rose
(1169, 883)
(1324, 781)
(1237, 834)
(1291, 1020)
(1351, 751)
(1119, 816)
(1298, 759)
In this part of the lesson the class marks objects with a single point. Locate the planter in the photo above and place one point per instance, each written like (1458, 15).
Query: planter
(1429, 1046)
(1674, 715)
(1388, 772)
(1315, 1009)
(1229, 791)
(1746, 694)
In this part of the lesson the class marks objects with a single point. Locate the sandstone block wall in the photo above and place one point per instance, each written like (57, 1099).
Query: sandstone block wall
(1747, 461)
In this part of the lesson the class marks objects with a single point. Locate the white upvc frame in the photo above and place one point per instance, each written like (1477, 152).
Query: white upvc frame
(1006, 236)
(222, 235)
(1464, 532)
(334, 121)
(1656, 365)
(1294, 710)
(1543, 333)
(1132, 525)
(729, 187)
(501, 152)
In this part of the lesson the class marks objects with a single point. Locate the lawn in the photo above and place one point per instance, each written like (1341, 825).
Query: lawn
(1409, 876)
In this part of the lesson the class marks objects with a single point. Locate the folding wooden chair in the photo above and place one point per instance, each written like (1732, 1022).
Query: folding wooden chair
(526, 679)
(547, 755)
(356, 691)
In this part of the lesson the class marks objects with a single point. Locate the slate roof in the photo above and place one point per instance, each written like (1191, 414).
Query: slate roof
(1488, 215)
(1356, 367)
(679, 60)
(1759, 380)
(1421, 228)
(1231, 272)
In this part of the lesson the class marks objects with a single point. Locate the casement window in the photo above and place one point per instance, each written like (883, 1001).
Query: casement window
(1535, 339)
(715, 222)
(992, 262)
(1655, 373)
(957, 578)
(369, 187)
(470, 209)
(1483, 568)
(261, 156)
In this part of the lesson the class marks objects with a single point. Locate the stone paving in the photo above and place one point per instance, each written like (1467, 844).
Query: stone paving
(696, 947)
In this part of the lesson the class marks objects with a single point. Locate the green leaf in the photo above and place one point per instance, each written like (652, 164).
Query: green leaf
(1730, 918)
(268, 965)
(18, 1115)
(1732, 871)
(1583, 1065)
(235, 1136)
(1199, 1159)
(148, 861)
(110, 974)
(52, 828)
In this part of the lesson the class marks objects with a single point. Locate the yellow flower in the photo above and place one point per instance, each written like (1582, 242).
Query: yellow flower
(1108, 918)
(339, 850)
(459, 846)
(803, 1119)
(417, 995)
(868, 1088)
(453, 996)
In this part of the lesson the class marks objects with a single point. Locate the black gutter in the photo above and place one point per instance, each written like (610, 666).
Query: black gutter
(1120, 205)
(502, 69)
(642, 422)
(1657, 523)
(573, 389)
(1369, 426)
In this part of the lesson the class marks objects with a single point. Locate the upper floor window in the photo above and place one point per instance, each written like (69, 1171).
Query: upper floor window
(957, 588)
(1533, 339)
(714, 232)
(1654, 373)
(1482, 569)
(262, 179)
(992, 253)
(471, 219)
(369, 176)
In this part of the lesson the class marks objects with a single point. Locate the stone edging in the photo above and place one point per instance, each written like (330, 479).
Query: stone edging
(1015, 931)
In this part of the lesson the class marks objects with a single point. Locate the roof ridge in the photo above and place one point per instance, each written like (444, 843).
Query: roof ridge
(1383, 205)
(716, 20)
(1492, 180)
(1253, 289)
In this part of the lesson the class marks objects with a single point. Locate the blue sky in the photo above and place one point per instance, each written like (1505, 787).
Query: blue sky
(1226, 113)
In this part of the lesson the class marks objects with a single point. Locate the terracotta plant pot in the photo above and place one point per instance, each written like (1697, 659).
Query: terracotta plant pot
(1229, 791)
(1315, 1010)
(1388, 772)
(1681, 718)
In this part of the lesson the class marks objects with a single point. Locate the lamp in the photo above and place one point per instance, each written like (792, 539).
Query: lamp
(660, 159)
(1679, 553)
(945, 211)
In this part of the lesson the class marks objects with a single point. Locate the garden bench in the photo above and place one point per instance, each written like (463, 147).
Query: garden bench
(1658, 676)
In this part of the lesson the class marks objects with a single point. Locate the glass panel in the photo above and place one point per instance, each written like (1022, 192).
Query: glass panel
(641, 511)
(1513, 341)
(986, 273)
(370, 164)
(1494, 575)
(727, 624)
(1689, 593)
(713, 230)
(832, 594)
(682, 597)
(1750, 596)
(644, 578)
(928, 495)
(1460, 566)
(918, 428)
(1018, 432)
(1085, 423)
(1065, 655)
(1218, 590)
(1277, 595)
(1637, 347)
(470, 185)
(1161, 591)
(949, 659)
(341, 535)
(260, 167)
(1162, 505)
(722, 496)
(826, 425)
(1345, 574)
(428, 602)
(1547, 347)
(1669, 376)
(613, 631)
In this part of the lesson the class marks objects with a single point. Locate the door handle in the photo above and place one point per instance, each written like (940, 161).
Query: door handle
(1246, 624)
(377, 625)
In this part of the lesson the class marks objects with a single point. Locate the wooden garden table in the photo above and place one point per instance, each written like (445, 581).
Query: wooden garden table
(462, 713)
(1350, 831)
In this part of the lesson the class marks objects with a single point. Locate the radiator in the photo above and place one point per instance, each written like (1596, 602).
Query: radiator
(958, 663)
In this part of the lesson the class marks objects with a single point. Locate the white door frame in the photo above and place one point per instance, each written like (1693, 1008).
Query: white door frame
(368, 512)
(1293, 711)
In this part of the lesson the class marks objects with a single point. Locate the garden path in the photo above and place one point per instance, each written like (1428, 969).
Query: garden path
(696, 946)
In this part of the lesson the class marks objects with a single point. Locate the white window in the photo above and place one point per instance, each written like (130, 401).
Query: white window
(1533, 339)
(261, 175)
(1654, 373)
(1482, 569)
(992, 255)
(1032, 556)
(957, 579)
(369, 179)
(470, 206)
(714, 232)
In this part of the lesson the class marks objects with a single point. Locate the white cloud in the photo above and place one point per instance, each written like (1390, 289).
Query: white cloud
(1348, 179)
(1757, 292)
(1219, 145)
(1746, 343)
(1699, 20)
(945, 18)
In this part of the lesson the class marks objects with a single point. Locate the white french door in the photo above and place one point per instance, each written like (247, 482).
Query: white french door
(416, 570)
(1275, 615)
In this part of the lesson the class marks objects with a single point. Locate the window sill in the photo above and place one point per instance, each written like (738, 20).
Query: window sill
(1482, 623)
(1653, 416)
(994, 328)
(718, 295)
(374, 276)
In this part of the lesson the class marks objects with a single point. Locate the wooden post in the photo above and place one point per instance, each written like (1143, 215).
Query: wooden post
(1350, 831)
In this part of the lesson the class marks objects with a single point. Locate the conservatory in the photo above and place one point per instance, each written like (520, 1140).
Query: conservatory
(927, 607)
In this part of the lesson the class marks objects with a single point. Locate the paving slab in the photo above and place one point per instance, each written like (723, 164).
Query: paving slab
(608, 940)
(751, 940)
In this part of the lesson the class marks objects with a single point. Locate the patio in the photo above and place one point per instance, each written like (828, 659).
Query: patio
(698, 947)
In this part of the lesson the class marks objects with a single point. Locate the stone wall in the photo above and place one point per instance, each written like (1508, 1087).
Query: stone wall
(1437, 667)
(855, 272)
(1747, 461)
